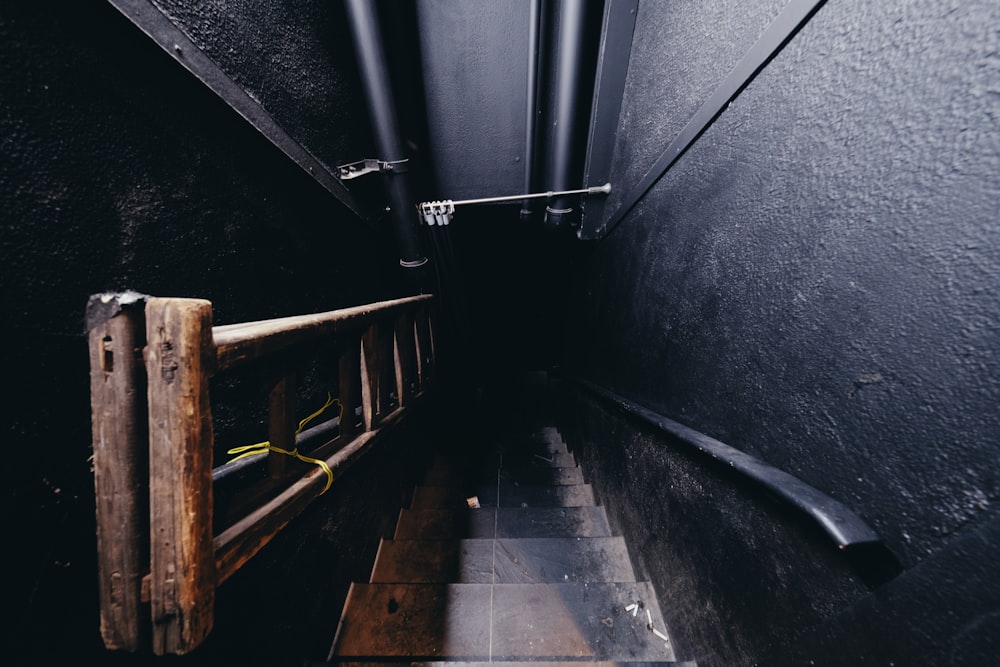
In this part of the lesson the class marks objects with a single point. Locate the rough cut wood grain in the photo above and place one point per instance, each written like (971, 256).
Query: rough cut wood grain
(386, 367)
(281, 423)
(405, 355)
(180, 361)
(121, 470)
(369, 377)
(350, 385)
(418, 353)
(241, 343)
(425, 340)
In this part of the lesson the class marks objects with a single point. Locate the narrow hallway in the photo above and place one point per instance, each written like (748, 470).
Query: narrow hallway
(504, 554)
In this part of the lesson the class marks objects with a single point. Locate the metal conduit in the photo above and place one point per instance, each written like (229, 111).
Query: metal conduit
(534, 39)
(567, 115)
(382, 109)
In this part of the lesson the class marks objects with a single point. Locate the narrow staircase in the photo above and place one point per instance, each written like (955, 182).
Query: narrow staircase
(503, 556)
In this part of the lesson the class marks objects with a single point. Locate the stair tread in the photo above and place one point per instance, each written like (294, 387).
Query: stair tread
(537, 475)
(491, 453)
(508, 663)
(503, 561)
(523, 459)
(506, 495)
(489, 522)
(484, 622)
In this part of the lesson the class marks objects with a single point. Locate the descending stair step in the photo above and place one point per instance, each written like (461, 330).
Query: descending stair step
(503, 561)
(446, 497)
(537, 476)
(417, 621)
(513, 458)
(437, 524)
(508, 622)
(545, 434)
(521, 459)
(525, 447)
(507, 663)
(542, 476)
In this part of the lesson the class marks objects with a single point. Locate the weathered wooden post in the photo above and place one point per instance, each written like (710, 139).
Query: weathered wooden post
(116, 333)
(180, 361)
(407, 379)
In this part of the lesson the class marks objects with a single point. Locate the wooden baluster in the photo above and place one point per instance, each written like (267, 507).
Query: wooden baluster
(350, 386)
(121, 465)
(405, 355)
(419, 355)
(425, 341)
(386, 367)
(180, 361)
(369, 377)
(281, 422)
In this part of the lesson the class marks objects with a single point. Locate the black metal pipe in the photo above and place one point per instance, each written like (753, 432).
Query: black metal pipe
(382, 110)
(569, 112)
(534, 39)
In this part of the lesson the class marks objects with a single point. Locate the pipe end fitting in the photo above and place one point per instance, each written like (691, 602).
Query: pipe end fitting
(559, 218)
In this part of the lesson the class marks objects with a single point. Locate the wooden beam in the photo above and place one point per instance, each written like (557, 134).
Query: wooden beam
(121, 469)
(180, 361)
(237, 344)
(281, 423)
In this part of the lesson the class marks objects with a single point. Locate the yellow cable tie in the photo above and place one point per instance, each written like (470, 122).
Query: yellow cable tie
(266, 446)
(329, 402)
(322, 464)
(249, 450)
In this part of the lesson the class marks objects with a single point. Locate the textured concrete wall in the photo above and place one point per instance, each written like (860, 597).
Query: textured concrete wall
(816, 281)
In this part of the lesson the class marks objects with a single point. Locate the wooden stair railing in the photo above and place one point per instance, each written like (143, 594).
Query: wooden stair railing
(152, 359)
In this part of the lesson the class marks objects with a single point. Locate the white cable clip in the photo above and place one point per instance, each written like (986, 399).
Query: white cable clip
(437, 212)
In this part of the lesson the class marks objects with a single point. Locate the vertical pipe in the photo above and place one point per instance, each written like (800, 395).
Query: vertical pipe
(382, 109)
(534, 39)
(567, 113)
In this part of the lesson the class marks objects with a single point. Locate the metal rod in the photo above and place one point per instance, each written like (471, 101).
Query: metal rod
(600, 189)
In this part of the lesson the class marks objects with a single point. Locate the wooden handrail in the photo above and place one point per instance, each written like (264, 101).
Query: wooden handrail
(237, 344)
(151, 363)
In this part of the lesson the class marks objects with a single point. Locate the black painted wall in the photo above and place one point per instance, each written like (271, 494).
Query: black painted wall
(816, 283)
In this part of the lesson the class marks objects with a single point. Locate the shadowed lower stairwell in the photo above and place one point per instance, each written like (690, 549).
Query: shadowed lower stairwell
(503, 556)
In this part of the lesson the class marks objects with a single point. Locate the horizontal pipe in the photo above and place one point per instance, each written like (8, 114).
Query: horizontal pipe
(240, 542)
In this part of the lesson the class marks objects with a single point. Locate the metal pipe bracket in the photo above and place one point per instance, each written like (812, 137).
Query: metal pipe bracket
(346, 172)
